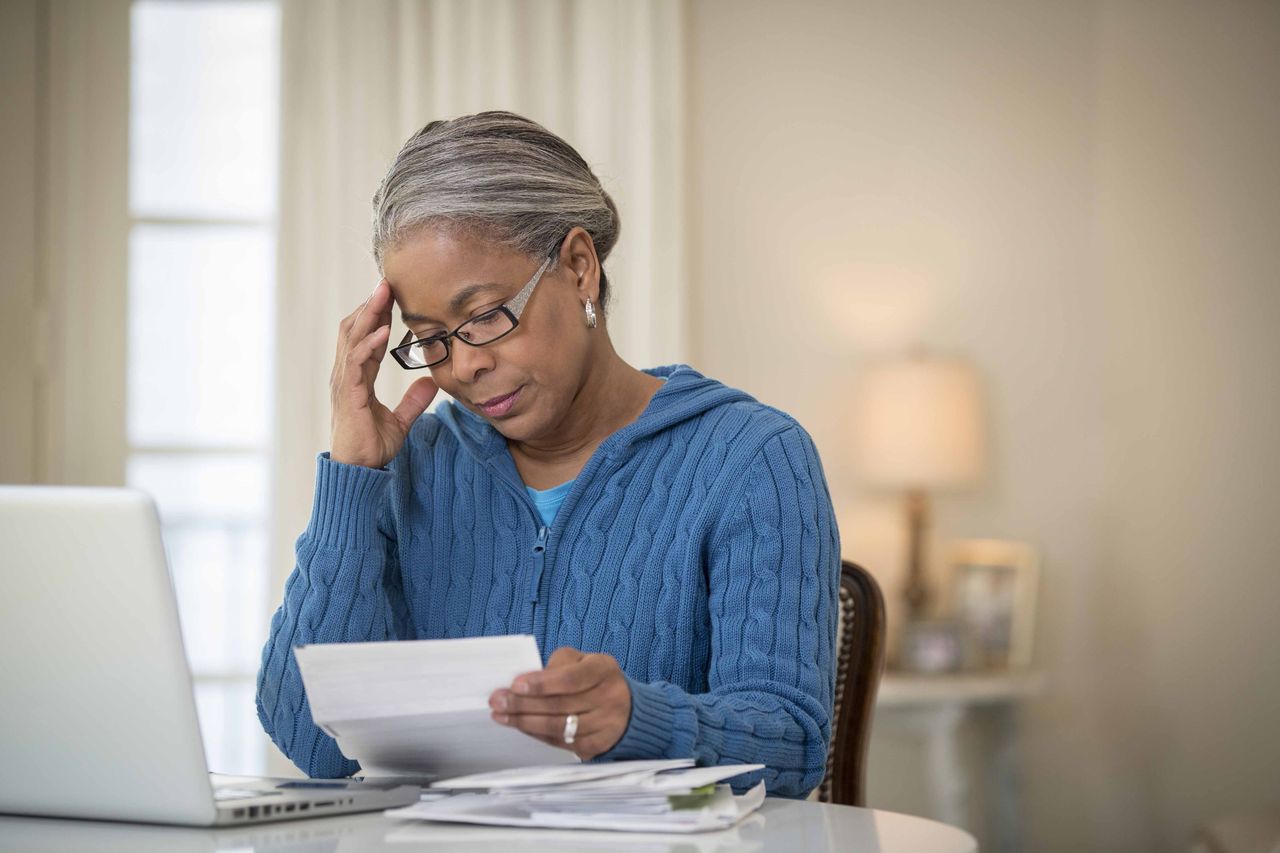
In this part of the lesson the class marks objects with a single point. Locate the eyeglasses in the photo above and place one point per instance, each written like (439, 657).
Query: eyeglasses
(478, 331)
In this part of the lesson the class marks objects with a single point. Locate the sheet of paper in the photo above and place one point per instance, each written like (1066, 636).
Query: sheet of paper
(523, 777)
(696, 777)
(743, 837)
(421, 707)
(500, 810)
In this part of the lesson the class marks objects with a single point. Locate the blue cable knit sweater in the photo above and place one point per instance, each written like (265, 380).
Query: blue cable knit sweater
(697, 546)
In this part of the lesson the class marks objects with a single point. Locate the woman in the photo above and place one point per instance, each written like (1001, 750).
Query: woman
(668, 540)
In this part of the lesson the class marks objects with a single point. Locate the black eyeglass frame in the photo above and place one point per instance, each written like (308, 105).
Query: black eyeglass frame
(512, 308)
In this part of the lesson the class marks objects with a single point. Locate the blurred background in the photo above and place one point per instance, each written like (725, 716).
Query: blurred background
(1046, 231)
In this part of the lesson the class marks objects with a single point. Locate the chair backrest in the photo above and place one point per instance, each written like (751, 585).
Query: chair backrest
(860, 649)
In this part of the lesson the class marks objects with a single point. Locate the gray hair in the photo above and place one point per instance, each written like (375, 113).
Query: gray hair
(497, 174)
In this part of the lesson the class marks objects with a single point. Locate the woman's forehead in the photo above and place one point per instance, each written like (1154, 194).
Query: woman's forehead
(457, 303)
(433, 274)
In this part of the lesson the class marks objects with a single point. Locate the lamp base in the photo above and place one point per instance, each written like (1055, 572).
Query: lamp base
(916, 593)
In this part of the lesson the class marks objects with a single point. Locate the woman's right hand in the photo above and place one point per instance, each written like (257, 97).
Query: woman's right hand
(362, 430)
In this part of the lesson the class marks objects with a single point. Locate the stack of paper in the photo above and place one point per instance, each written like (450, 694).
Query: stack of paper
(629, 796)
(421, 707)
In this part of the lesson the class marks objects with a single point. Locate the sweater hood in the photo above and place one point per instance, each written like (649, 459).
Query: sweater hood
(685, 394)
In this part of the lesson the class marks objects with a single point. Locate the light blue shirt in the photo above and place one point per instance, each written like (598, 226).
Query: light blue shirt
(548, 500)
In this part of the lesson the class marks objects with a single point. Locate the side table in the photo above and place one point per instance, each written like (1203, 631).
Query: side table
(934, 707)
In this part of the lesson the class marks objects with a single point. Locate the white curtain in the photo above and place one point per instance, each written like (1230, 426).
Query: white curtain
(73, 368)
(360, 78)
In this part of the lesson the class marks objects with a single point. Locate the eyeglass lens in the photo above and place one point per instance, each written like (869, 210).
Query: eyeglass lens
(486, 328)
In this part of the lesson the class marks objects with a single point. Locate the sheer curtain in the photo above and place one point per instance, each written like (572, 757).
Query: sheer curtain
(359, 78)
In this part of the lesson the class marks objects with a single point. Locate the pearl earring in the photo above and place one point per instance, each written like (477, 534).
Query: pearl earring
(591, 314)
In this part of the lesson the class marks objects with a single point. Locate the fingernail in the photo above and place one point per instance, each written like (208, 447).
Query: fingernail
(500, 718)
(501, 702)
(521, 687)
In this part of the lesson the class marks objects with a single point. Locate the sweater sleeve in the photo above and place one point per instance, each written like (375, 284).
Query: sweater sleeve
(773, 571)
(345, 587)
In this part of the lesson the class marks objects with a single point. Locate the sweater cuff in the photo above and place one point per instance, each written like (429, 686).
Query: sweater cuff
(651, 731)
(347, 503)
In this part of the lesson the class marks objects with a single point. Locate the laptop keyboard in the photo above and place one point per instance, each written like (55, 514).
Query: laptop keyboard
(221, 794)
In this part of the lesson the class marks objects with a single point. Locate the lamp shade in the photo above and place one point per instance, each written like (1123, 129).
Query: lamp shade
(918, 425)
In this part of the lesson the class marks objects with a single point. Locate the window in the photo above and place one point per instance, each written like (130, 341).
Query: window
(203, 126)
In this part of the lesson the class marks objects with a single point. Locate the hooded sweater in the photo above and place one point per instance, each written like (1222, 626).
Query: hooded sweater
(697, 546)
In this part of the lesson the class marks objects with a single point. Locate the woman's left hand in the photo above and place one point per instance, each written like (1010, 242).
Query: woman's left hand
(591, 686)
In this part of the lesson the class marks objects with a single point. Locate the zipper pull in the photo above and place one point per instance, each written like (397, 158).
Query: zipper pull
(539, 557)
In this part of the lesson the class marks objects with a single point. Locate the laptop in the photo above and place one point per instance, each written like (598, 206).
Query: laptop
(98, 718)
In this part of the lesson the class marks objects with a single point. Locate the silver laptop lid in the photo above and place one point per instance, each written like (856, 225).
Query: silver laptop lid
(98, 717)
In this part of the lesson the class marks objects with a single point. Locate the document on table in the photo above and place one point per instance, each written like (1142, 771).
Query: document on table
(421, 707)
(668, 796)
(743, 837)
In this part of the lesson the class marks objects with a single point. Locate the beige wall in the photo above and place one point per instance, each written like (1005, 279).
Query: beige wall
(19, 24)
(1188, 188)
(1076, 197)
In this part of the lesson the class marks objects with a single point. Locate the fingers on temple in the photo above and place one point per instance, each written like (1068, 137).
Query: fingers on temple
(362, 353)
(356, 325)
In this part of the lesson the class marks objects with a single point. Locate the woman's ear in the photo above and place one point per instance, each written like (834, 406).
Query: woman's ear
(579, 254)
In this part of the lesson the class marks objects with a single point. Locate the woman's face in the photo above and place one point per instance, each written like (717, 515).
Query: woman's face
(525, 382)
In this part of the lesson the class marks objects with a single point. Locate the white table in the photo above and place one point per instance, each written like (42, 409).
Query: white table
(934, 707)
(784, 825)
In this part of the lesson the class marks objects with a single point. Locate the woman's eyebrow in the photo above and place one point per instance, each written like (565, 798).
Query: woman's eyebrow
(461, 298)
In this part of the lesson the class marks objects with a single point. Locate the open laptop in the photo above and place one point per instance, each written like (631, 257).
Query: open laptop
(98, 718)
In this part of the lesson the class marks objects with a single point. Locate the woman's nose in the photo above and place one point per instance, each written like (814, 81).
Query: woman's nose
(470, 363)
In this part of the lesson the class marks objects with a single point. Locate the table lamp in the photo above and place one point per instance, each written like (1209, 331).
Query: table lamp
(918, 428)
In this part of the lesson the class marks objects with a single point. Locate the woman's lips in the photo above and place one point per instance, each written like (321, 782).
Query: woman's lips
(499, 406)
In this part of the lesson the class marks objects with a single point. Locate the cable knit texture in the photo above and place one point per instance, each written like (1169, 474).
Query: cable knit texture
(697, 546)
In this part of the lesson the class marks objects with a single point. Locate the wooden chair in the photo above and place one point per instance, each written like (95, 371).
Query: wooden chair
(860, 643)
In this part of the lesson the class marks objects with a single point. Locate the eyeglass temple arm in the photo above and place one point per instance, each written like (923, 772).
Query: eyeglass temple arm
(517, 303)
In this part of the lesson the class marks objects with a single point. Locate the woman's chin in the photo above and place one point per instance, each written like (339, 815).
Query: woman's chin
(516, 427)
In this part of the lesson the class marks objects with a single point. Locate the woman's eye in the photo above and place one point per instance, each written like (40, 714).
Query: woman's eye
(429, 337)
(488, 318)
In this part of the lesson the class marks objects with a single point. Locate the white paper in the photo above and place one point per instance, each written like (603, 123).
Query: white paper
(421, 707)
(696, 777)
(503, 810)
(522, 777)
(743, 837)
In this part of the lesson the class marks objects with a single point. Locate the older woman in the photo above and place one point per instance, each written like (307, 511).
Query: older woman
(668, 540)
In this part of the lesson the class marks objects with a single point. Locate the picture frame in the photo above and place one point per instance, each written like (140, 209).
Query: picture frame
(991, 588)
(932, 646)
